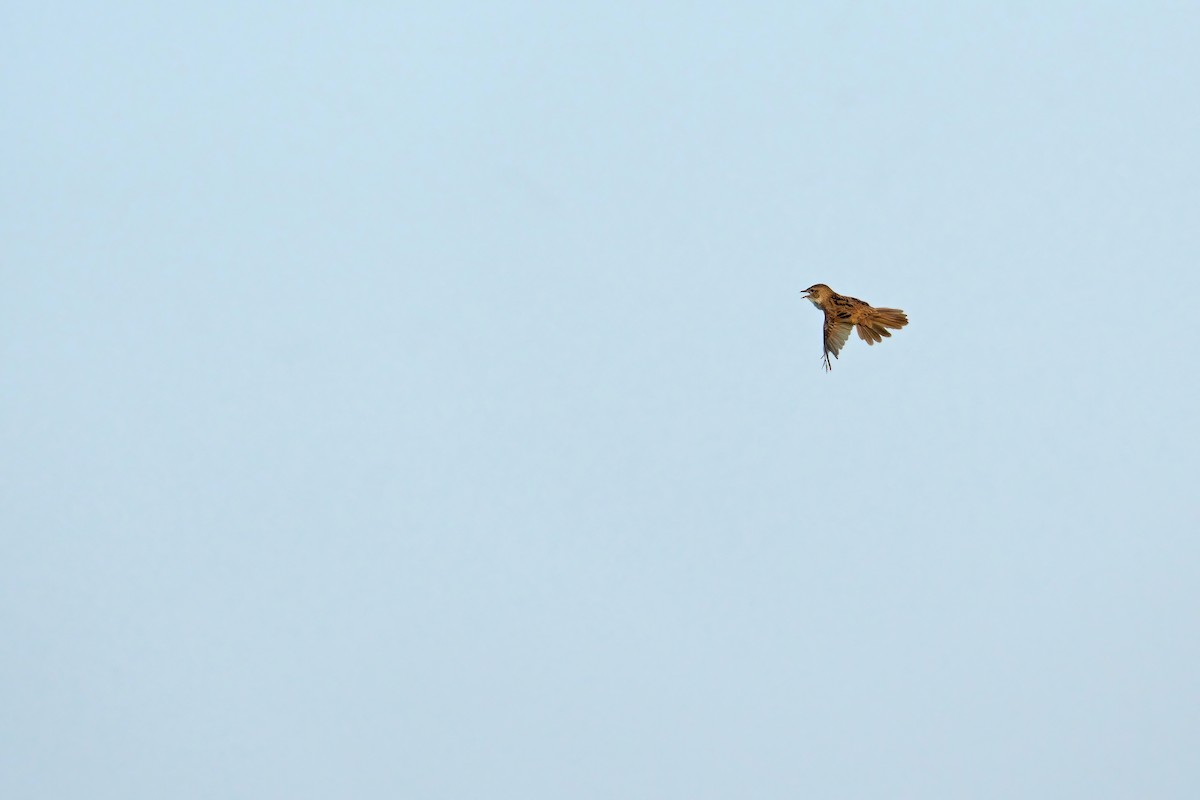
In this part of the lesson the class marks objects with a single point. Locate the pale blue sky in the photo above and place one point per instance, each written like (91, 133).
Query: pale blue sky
(417, 401)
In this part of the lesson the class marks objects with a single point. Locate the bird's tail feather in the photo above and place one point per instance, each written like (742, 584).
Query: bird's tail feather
(874, 326)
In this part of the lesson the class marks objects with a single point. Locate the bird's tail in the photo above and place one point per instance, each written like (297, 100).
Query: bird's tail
(873, 327)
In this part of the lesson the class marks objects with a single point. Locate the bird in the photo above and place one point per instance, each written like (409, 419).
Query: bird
(843, 313)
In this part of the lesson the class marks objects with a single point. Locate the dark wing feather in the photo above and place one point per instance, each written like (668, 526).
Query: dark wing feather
(837, 331)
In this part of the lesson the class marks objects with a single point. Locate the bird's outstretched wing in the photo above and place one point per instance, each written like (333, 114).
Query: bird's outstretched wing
(837, 330)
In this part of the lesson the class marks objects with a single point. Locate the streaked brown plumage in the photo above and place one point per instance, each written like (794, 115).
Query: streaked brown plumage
(843, 313)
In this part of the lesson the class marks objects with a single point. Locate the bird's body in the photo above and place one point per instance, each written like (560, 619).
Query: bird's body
(843, 313)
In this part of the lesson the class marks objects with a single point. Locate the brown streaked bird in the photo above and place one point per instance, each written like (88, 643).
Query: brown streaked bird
(843, 313)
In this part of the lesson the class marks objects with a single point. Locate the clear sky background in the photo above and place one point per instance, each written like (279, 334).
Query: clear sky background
(417, 400)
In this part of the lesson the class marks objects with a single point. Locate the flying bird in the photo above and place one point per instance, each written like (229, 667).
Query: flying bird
(843, 313)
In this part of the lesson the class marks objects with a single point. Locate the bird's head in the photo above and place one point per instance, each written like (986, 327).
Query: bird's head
(817, 294)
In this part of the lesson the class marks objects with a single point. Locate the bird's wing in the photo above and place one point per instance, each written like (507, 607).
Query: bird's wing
(837, 330)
